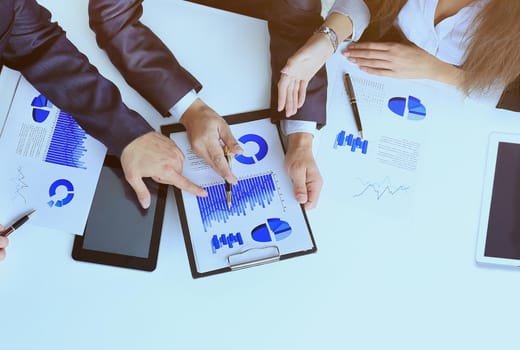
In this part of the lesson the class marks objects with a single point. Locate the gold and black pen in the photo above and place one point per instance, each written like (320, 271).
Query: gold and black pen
(22, 220)
(352, 97)
(227, 153)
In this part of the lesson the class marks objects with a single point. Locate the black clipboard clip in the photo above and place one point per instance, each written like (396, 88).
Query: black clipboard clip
(253, 257)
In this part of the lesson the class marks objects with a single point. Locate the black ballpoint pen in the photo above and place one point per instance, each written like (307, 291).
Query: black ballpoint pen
(352, 97)
(228, 185)
(228, 194)
(10, 229)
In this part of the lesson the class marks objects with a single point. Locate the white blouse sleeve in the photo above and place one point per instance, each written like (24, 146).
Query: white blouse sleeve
(358, 13)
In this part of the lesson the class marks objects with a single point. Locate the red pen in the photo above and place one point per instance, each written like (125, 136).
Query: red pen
(10, 229)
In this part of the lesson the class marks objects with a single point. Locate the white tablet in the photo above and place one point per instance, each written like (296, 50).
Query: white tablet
(499, 229)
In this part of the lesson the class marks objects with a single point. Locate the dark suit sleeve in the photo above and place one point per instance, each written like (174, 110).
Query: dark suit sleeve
(291, 23)
(510, 98)
(42, 53)
(145, 62)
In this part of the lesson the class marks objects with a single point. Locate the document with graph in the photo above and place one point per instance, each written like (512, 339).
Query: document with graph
(382, 170)
(264, 222)
(48, 162)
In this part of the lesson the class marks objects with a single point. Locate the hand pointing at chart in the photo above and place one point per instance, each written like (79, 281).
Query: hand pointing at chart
(156, 156)
(206, 129)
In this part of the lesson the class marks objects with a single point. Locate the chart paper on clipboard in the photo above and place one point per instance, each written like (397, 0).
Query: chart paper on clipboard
(264, 223)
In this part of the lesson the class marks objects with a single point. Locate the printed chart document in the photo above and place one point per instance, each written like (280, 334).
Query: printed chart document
(380, 171)
(48, 162)
(264, 222)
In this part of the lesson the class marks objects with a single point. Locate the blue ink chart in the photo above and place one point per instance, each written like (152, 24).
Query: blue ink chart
(263, 223)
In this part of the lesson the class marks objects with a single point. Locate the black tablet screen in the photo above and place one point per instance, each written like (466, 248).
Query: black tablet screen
(117, 224)
(503, 236)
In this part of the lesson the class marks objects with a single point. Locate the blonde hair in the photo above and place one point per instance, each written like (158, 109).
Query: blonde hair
(493, 53)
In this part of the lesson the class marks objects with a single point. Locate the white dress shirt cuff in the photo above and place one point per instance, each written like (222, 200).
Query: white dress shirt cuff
(292, 126)
(358, 13)
(182, 105)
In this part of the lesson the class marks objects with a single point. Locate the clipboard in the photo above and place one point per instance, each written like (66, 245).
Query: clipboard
(264, 224)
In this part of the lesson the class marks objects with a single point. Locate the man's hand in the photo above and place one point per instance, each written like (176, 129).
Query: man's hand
(156, 156)
(3, 244)
(205, 130)
(302, 169)
(299, 70)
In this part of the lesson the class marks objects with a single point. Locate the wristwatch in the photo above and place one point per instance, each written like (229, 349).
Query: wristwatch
(331, 34)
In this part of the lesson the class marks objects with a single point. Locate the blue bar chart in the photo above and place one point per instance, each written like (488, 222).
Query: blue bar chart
(67, 146)
(343, 140)
(247, 194)
(219, 242)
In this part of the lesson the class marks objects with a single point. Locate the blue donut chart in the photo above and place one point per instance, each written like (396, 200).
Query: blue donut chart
(262, 149)
(53, 189)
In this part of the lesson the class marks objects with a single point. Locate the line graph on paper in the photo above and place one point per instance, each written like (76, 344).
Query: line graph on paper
(380, 190)
(20, 185)
(249, 194)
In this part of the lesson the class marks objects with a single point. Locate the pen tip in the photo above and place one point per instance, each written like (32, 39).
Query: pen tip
(228, 200)
(31, 213)
(360, 133)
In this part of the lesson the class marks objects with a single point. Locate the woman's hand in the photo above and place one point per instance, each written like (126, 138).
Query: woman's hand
(299, 70)
(400, 61)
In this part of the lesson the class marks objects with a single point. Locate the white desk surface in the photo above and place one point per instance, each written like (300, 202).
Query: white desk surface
(374, 283)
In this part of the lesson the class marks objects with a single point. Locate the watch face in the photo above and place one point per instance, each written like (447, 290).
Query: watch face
(332, 36)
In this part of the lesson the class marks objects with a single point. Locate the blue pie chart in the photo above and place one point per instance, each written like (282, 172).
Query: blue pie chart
(41, 108)
(262, 233)
(397, 105)
(41, 101)
(262, 149)
(416, 110)
(40, 115)
(281, 228)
